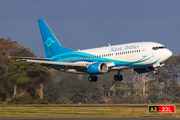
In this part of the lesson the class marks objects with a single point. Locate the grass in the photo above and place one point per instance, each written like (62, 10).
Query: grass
(10, 111)
(78, 105)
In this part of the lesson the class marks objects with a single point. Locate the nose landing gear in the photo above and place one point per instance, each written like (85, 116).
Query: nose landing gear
(156, 71)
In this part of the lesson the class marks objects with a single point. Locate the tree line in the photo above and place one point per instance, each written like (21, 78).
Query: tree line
(29, 83)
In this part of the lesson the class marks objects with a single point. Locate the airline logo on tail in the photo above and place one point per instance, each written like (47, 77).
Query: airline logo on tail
(49, 42)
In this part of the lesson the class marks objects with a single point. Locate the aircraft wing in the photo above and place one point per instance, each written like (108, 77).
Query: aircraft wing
(79, 66)
(58, 63)
(29, 58)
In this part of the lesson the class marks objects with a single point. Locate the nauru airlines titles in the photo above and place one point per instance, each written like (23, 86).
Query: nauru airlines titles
(142, 57)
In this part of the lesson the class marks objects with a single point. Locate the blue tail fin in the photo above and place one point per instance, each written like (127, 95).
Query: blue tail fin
(52, 46)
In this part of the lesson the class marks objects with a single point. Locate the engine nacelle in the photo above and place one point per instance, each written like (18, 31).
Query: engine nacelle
(144, 69)
(97, 68)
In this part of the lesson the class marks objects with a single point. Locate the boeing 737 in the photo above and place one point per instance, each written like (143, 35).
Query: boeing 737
(141, 57)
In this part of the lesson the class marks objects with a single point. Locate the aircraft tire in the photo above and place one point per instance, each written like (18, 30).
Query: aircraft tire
(156, 71)
(95, 78)
(92, 78)
(118, 77)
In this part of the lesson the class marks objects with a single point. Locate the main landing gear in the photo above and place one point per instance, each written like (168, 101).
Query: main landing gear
(118, 77)
(92, 78)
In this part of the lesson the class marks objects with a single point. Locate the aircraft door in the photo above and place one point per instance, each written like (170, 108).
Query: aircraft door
(154, 55)
(144, 51)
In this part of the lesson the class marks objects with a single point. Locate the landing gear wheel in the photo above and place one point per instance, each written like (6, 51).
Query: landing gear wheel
(92, 78)
(95, 78)
(118, 77)
(156, 71)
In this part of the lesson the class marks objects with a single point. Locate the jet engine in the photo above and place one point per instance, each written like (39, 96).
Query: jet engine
(97, 68)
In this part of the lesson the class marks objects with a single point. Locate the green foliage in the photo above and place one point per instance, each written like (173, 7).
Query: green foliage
(23, 80)
(28, 99)
(1, 99)
(23, 52)
(42, 101)
(60, 101)
(153, 98)
(22, 68)
(22, 100)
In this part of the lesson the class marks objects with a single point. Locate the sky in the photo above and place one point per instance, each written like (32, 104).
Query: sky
(83, 24)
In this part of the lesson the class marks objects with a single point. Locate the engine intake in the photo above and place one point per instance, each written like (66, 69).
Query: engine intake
(97, 68)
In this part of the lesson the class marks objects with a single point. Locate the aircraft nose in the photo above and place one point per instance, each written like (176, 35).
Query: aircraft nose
(165, 54)
(169, 53)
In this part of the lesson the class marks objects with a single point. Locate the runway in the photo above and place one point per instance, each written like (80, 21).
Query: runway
(87, 118)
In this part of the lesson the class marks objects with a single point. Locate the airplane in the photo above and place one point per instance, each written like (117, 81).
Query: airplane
(141, 57)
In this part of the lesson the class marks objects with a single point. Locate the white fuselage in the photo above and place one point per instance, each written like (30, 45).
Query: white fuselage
(132, 52)
(132, 55)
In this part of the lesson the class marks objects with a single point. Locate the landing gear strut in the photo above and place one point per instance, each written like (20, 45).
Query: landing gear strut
(118, 77)
(92, 78)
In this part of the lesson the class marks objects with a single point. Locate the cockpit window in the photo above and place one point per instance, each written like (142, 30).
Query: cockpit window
(160, 47)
